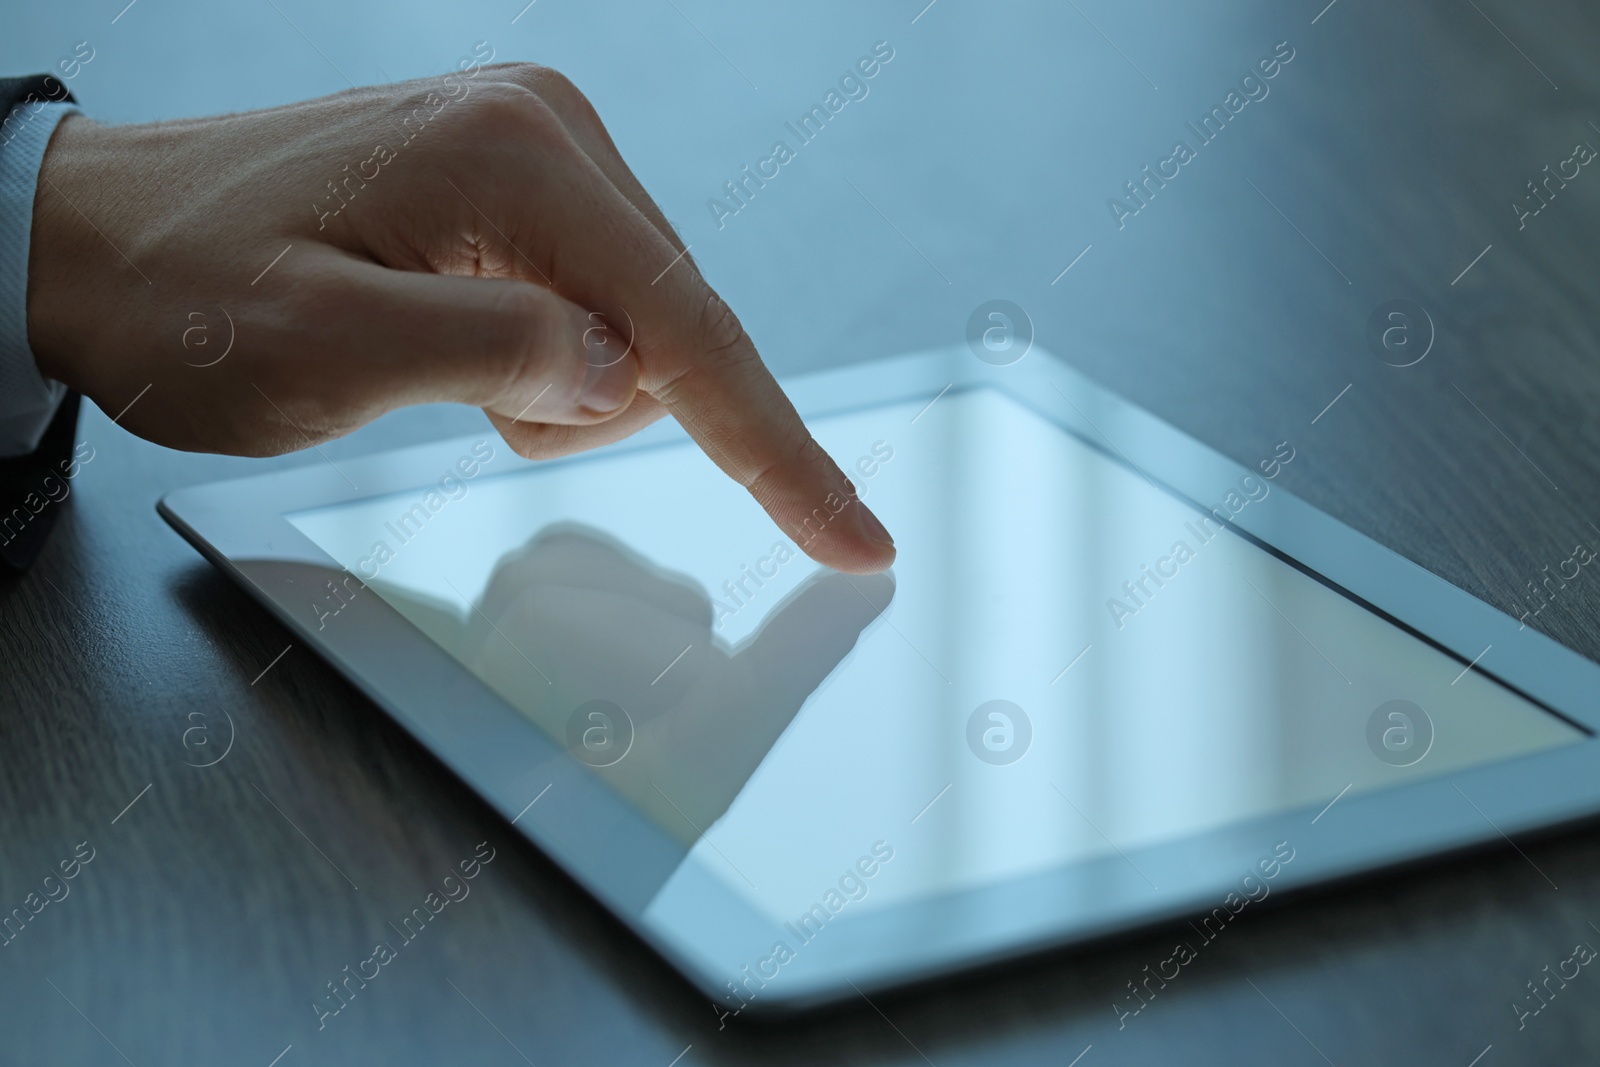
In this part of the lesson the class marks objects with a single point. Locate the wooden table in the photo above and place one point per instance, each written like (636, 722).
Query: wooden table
(220, 899)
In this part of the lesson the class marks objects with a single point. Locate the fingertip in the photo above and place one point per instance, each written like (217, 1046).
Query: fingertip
(608, 388)
(876, 558)
(872, 527)
(864, 559)
(872, 564)
(878, 552)
(861, 546)
(581, 373)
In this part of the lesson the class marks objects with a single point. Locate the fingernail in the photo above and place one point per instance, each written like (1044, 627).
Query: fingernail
(607, 388)
(872, 526)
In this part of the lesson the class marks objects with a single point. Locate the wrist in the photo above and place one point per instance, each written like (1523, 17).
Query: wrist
(63, 260)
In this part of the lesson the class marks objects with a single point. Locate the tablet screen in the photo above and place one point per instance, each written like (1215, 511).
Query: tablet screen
(1065, 663)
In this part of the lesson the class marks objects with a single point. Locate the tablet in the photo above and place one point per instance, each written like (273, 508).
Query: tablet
(1113, 677)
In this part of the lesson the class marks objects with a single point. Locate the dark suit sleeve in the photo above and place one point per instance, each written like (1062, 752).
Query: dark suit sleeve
(23, 485)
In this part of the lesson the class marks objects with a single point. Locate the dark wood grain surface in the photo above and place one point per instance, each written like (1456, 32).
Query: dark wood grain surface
(217, 905)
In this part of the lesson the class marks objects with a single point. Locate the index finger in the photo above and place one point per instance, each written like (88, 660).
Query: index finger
(694, 355)
(732, 406)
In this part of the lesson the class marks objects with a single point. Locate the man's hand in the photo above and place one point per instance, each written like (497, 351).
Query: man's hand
(475, 239)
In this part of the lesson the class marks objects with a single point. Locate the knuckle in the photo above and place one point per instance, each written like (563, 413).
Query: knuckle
(512, 311)
(559, 91)
(520, 71)
(554, 87)
(761, 483)
(722, 335)
(500, 109)
(552, 84)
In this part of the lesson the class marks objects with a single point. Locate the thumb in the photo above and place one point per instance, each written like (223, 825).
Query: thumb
(511, 347)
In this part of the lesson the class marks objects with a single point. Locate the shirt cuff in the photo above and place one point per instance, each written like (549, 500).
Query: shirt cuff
(27, 400)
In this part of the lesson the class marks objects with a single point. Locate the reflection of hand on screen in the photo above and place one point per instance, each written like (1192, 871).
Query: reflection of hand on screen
(574, 617)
